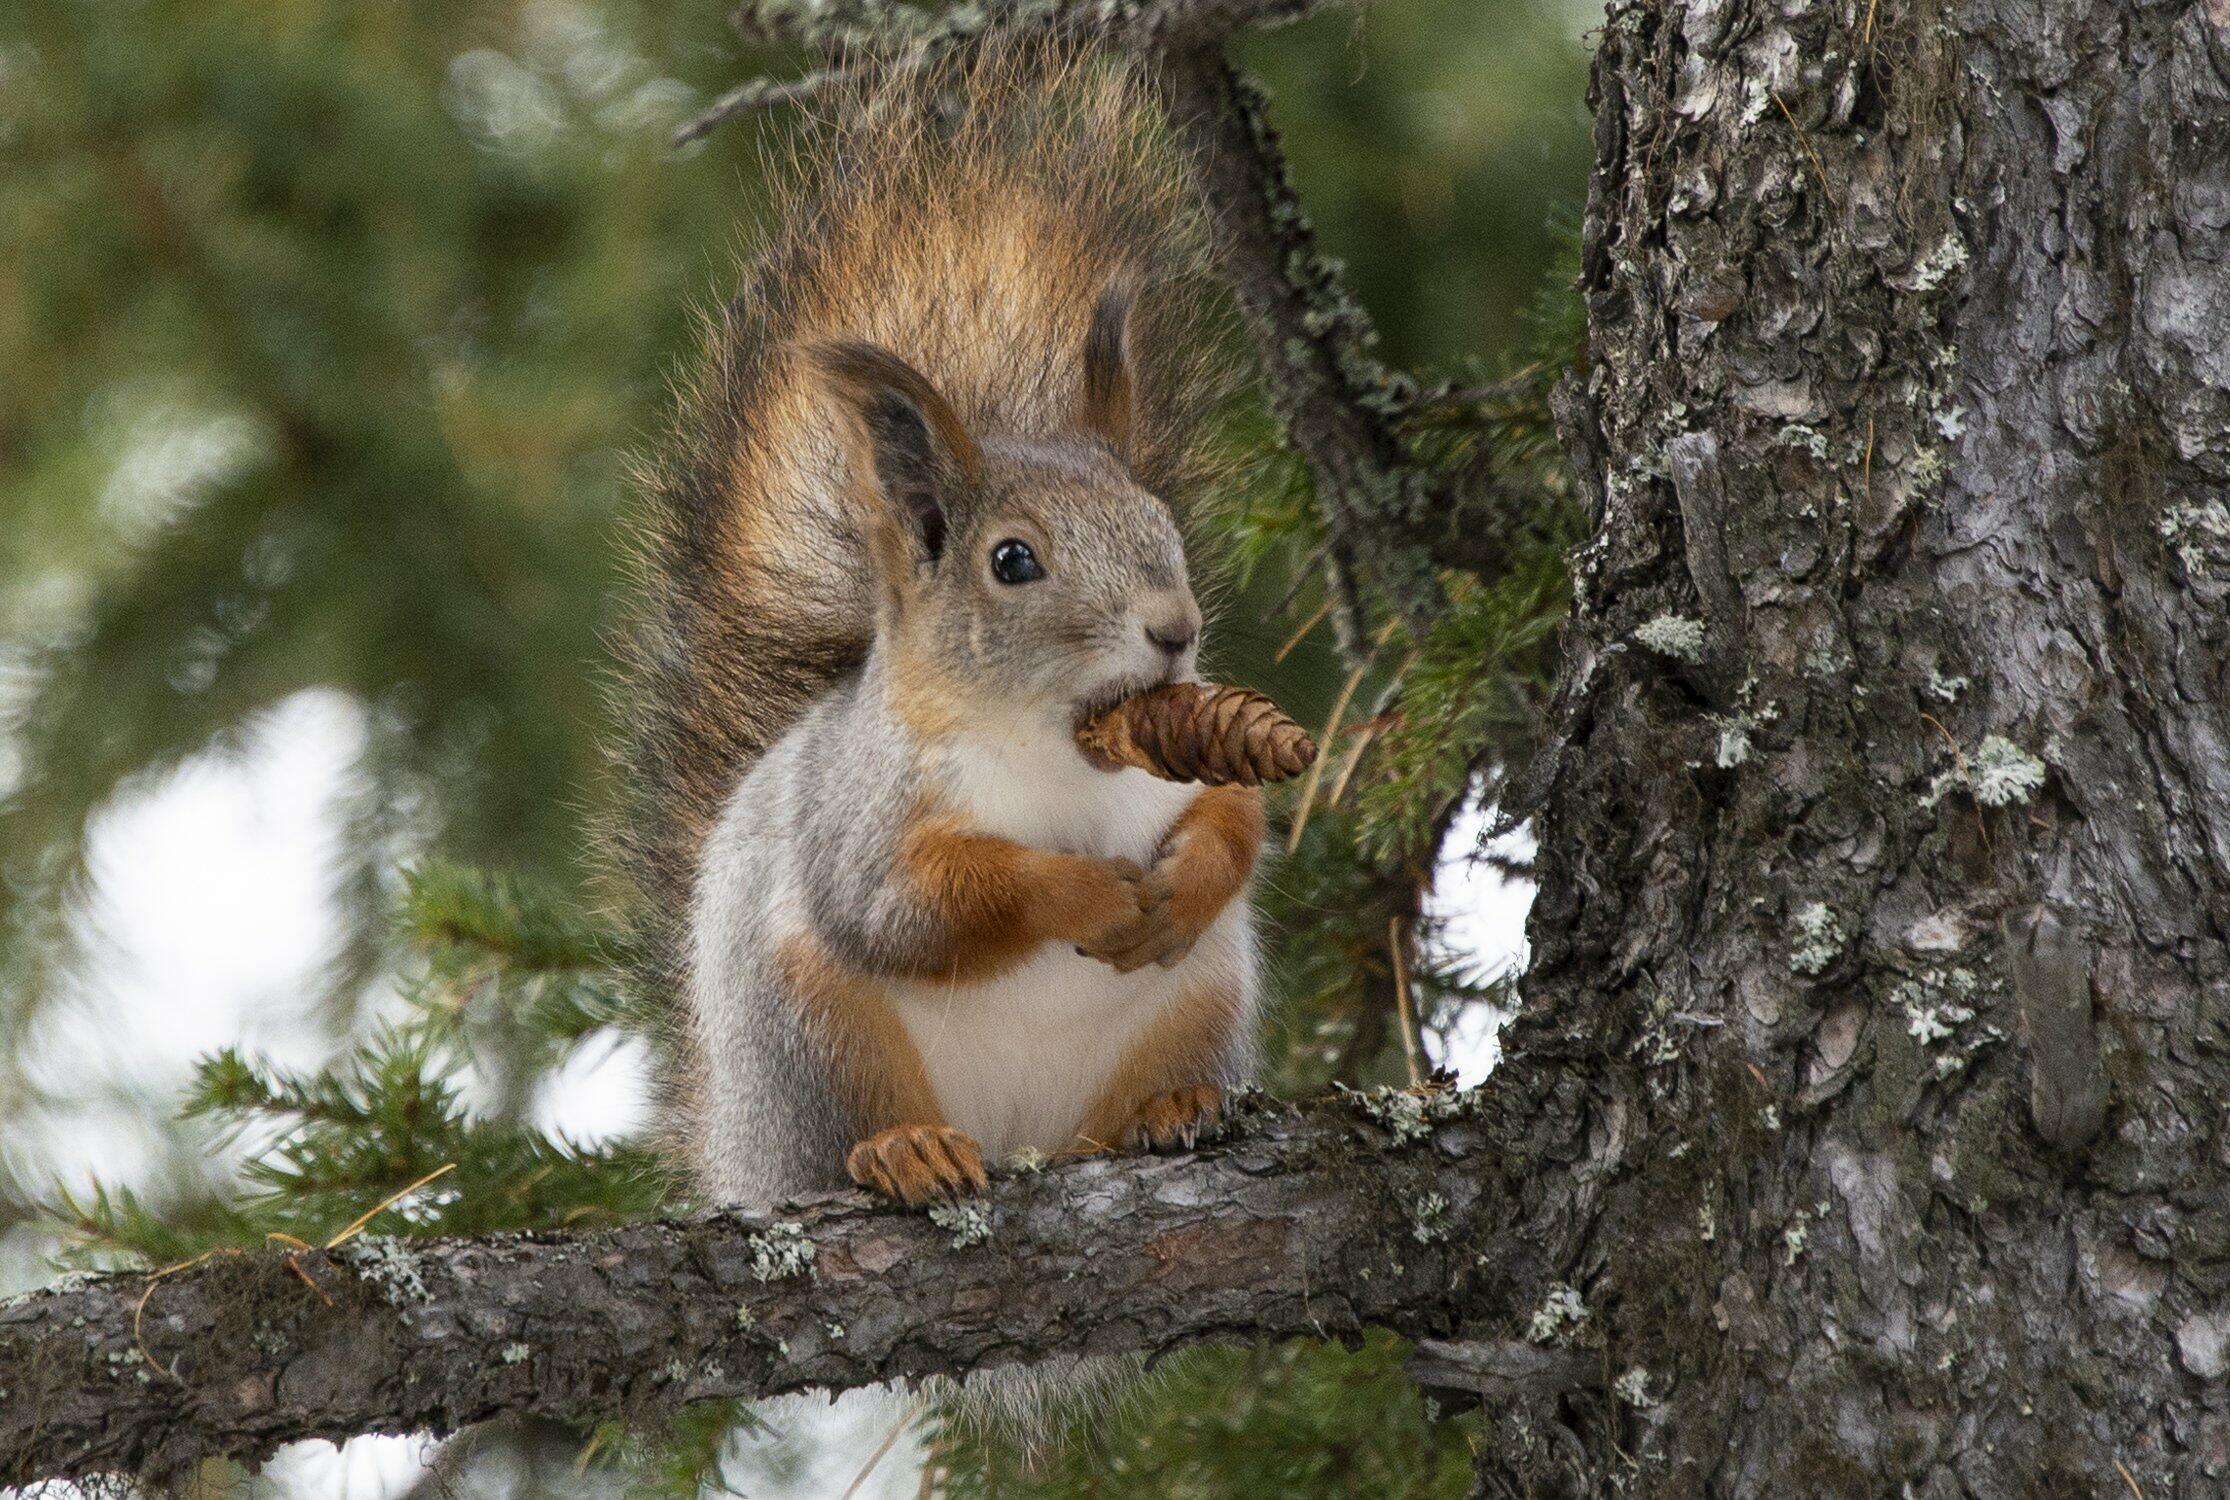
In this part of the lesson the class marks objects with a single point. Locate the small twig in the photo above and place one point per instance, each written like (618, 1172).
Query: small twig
(749, 98)
(1478, 395)
(1323, 753)
(1332, 726)
(294, 1264)
(294, 1260)
(1383, 717)
(1302, 574)
(1366, 732)
(2128, 1479)
(1370, 729)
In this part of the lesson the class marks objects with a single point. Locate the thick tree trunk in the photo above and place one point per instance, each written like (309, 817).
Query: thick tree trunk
(1881, 976)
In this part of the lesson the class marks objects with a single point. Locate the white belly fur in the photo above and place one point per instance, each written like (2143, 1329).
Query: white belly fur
(1017, 1059)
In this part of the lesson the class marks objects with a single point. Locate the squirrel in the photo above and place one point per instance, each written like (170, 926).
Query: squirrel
(918, 519)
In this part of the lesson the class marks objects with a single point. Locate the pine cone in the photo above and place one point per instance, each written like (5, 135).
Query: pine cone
(1188, 731)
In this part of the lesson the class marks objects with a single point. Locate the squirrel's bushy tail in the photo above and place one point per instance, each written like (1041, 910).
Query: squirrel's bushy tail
(965, 214)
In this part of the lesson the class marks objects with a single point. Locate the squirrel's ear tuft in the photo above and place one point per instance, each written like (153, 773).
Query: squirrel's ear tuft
(1106, 408)
(918, 449)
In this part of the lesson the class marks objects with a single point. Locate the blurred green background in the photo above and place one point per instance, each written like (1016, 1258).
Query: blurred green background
(326, 330)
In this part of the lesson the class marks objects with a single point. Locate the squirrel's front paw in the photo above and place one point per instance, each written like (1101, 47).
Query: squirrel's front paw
(1167, 1121)
(1157, 934)
(917, 1164)
(1089, 897)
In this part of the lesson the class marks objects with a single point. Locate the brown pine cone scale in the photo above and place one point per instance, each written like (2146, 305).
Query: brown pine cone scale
(1190, 731)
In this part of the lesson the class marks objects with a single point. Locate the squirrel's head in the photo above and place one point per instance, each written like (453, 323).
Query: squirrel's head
(1032, 574)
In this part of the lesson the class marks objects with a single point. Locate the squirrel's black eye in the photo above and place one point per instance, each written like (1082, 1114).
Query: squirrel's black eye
(1012, 561)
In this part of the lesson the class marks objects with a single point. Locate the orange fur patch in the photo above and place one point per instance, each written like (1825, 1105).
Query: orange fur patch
(924, 697)
(876, 1069)
(1214, 843)
(999, 900)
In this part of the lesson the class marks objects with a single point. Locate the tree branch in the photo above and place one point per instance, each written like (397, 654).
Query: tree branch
(1314, 1221)
(1338, 403)
(748, 98)
(882, 29)
(886, 25)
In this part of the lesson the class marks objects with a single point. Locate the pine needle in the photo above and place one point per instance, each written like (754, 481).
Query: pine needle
(890, 1440)
(1316, 617)
(385, 1204)
(1323, 753)
(1398, 944)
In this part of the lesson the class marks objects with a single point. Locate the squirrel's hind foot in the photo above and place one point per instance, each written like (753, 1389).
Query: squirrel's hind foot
(918, 1164)
(1177, 1120)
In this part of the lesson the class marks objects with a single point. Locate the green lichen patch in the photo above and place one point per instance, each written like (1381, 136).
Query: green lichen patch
(1411, 1114)
(1998, 774)
(780, 1251)
(1734, 739)
(2199, 534)
(1428, 1218)
(1676, 636)
(1816, 939)
(1935, 266)
(1559, 1316)
(2004, 773)
(966, 1223)
(1946, 689)
(1940, 1006)
(389, 1265)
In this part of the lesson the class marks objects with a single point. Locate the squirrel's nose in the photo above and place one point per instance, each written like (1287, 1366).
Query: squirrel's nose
(1174, 639)
(1174, 630)
(1172, 621)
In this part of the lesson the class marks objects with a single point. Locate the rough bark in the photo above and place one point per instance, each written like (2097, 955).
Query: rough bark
(1880, 975)
(1364, 1212)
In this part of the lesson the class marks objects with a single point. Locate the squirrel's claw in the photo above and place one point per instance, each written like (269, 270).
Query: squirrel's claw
(918, 1164)
(1179, 1118)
